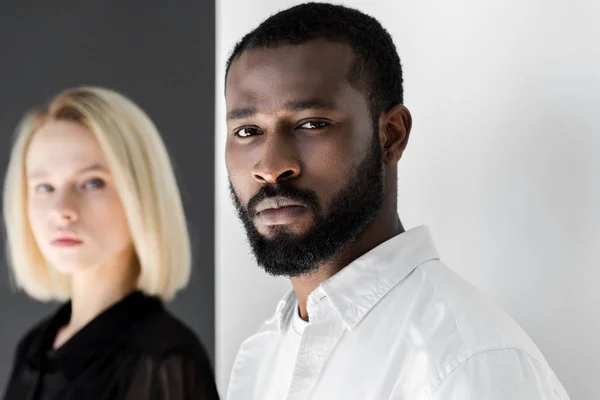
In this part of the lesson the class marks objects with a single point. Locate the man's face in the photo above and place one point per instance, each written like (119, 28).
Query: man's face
(304, 161)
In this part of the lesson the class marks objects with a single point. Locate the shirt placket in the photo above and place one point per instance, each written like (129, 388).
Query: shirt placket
(318, 341)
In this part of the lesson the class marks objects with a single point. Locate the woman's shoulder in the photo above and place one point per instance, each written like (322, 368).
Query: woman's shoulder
(34, 335)
(162, 334)
(171, 359)
(31, 344)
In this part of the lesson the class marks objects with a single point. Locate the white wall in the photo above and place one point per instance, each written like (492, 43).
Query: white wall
(502, 165)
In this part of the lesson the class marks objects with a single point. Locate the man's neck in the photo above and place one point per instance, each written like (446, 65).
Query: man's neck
(385, 227)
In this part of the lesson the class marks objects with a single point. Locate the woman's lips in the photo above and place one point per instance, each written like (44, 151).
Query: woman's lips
(66, 242)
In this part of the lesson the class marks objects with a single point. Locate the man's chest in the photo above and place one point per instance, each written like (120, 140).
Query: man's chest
(344, 365)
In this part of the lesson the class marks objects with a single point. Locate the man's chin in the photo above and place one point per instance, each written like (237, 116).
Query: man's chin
(281, 235)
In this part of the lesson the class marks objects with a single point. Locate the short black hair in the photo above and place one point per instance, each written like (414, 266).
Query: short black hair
(376, 69)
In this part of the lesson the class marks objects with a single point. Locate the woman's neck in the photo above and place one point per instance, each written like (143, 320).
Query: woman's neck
(90, 297)
(93, 291)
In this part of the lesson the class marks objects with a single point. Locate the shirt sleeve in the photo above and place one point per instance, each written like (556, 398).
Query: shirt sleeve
(500, 375)
(177, 377)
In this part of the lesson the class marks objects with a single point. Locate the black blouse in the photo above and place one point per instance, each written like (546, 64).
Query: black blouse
(134, 350)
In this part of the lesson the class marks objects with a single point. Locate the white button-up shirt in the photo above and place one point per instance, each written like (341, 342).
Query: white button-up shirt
(394, 324)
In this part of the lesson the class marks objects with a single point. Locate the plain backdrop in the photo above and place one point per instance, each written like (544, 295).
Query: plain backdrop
(161, 57)
(502, 165)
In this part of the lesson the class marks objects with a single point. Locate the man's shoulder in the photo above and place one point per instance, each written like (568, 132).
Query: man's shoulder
(458, 327)
(480, 321)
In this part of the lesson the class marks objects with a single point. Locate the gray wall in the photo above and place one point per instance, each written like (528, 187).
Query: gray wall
(160, 56)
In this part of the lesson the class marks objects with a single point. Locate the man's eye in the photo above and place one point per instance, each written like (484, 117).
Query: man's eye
(247, 132)
(314, 125)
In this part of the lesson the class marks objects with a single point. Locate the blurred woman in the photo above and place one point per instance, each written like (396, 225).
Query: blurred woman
(94, 218)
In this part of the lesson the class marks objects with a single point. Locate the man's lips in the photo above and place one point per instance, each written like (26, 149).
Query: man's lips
(273, 203)
(280, 216)
(278, 210)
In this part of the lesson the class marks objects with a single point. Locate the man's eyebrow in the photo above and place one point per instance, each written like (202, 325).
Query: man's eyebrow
(310, 104)
(295, 106)
(240, 113)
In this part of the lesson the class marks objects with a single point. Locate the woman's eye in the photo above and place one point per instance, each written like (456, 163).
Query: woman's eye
(247, 132)
(314, 125)
(44, 188)
(94, 184)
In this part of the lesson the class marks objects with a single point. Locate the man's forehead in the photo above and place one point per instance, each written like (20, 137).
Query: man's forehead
(315, 66)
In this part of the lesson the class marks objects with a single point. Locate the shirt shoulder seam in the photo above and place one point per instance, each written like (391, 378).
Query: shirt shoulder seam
(462, 335)
(437, 385)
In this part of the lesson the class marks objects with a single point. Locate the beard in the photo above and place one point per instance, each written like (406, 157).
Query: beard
(351, 210)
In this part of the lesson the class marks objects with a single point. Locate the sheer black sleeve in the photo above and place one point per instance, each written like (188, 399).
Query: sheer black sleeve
(20, 381)
(14, 374)
(176, 377)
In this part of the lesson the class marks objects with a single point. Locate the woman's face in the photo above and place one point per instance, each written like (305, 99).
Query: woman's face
(73, 207)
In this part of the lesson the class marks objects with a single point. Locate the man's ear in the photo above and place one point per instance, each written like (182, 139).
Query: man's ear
(394, 130)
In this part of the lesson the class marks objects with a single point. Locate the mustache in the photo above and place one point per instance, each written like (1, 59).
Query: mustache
(307, 197)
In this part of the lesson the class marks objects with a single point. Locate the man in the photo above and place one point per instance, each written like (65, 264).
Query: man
(316, 126)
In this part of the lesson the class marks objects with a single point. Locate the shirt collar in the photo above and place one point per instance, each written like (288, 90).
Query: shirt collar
(357, 288)
(106, 329)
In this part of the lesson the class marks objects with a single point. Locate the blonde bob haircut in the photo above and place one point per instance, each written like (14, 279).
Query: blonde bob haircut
(143, 176)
